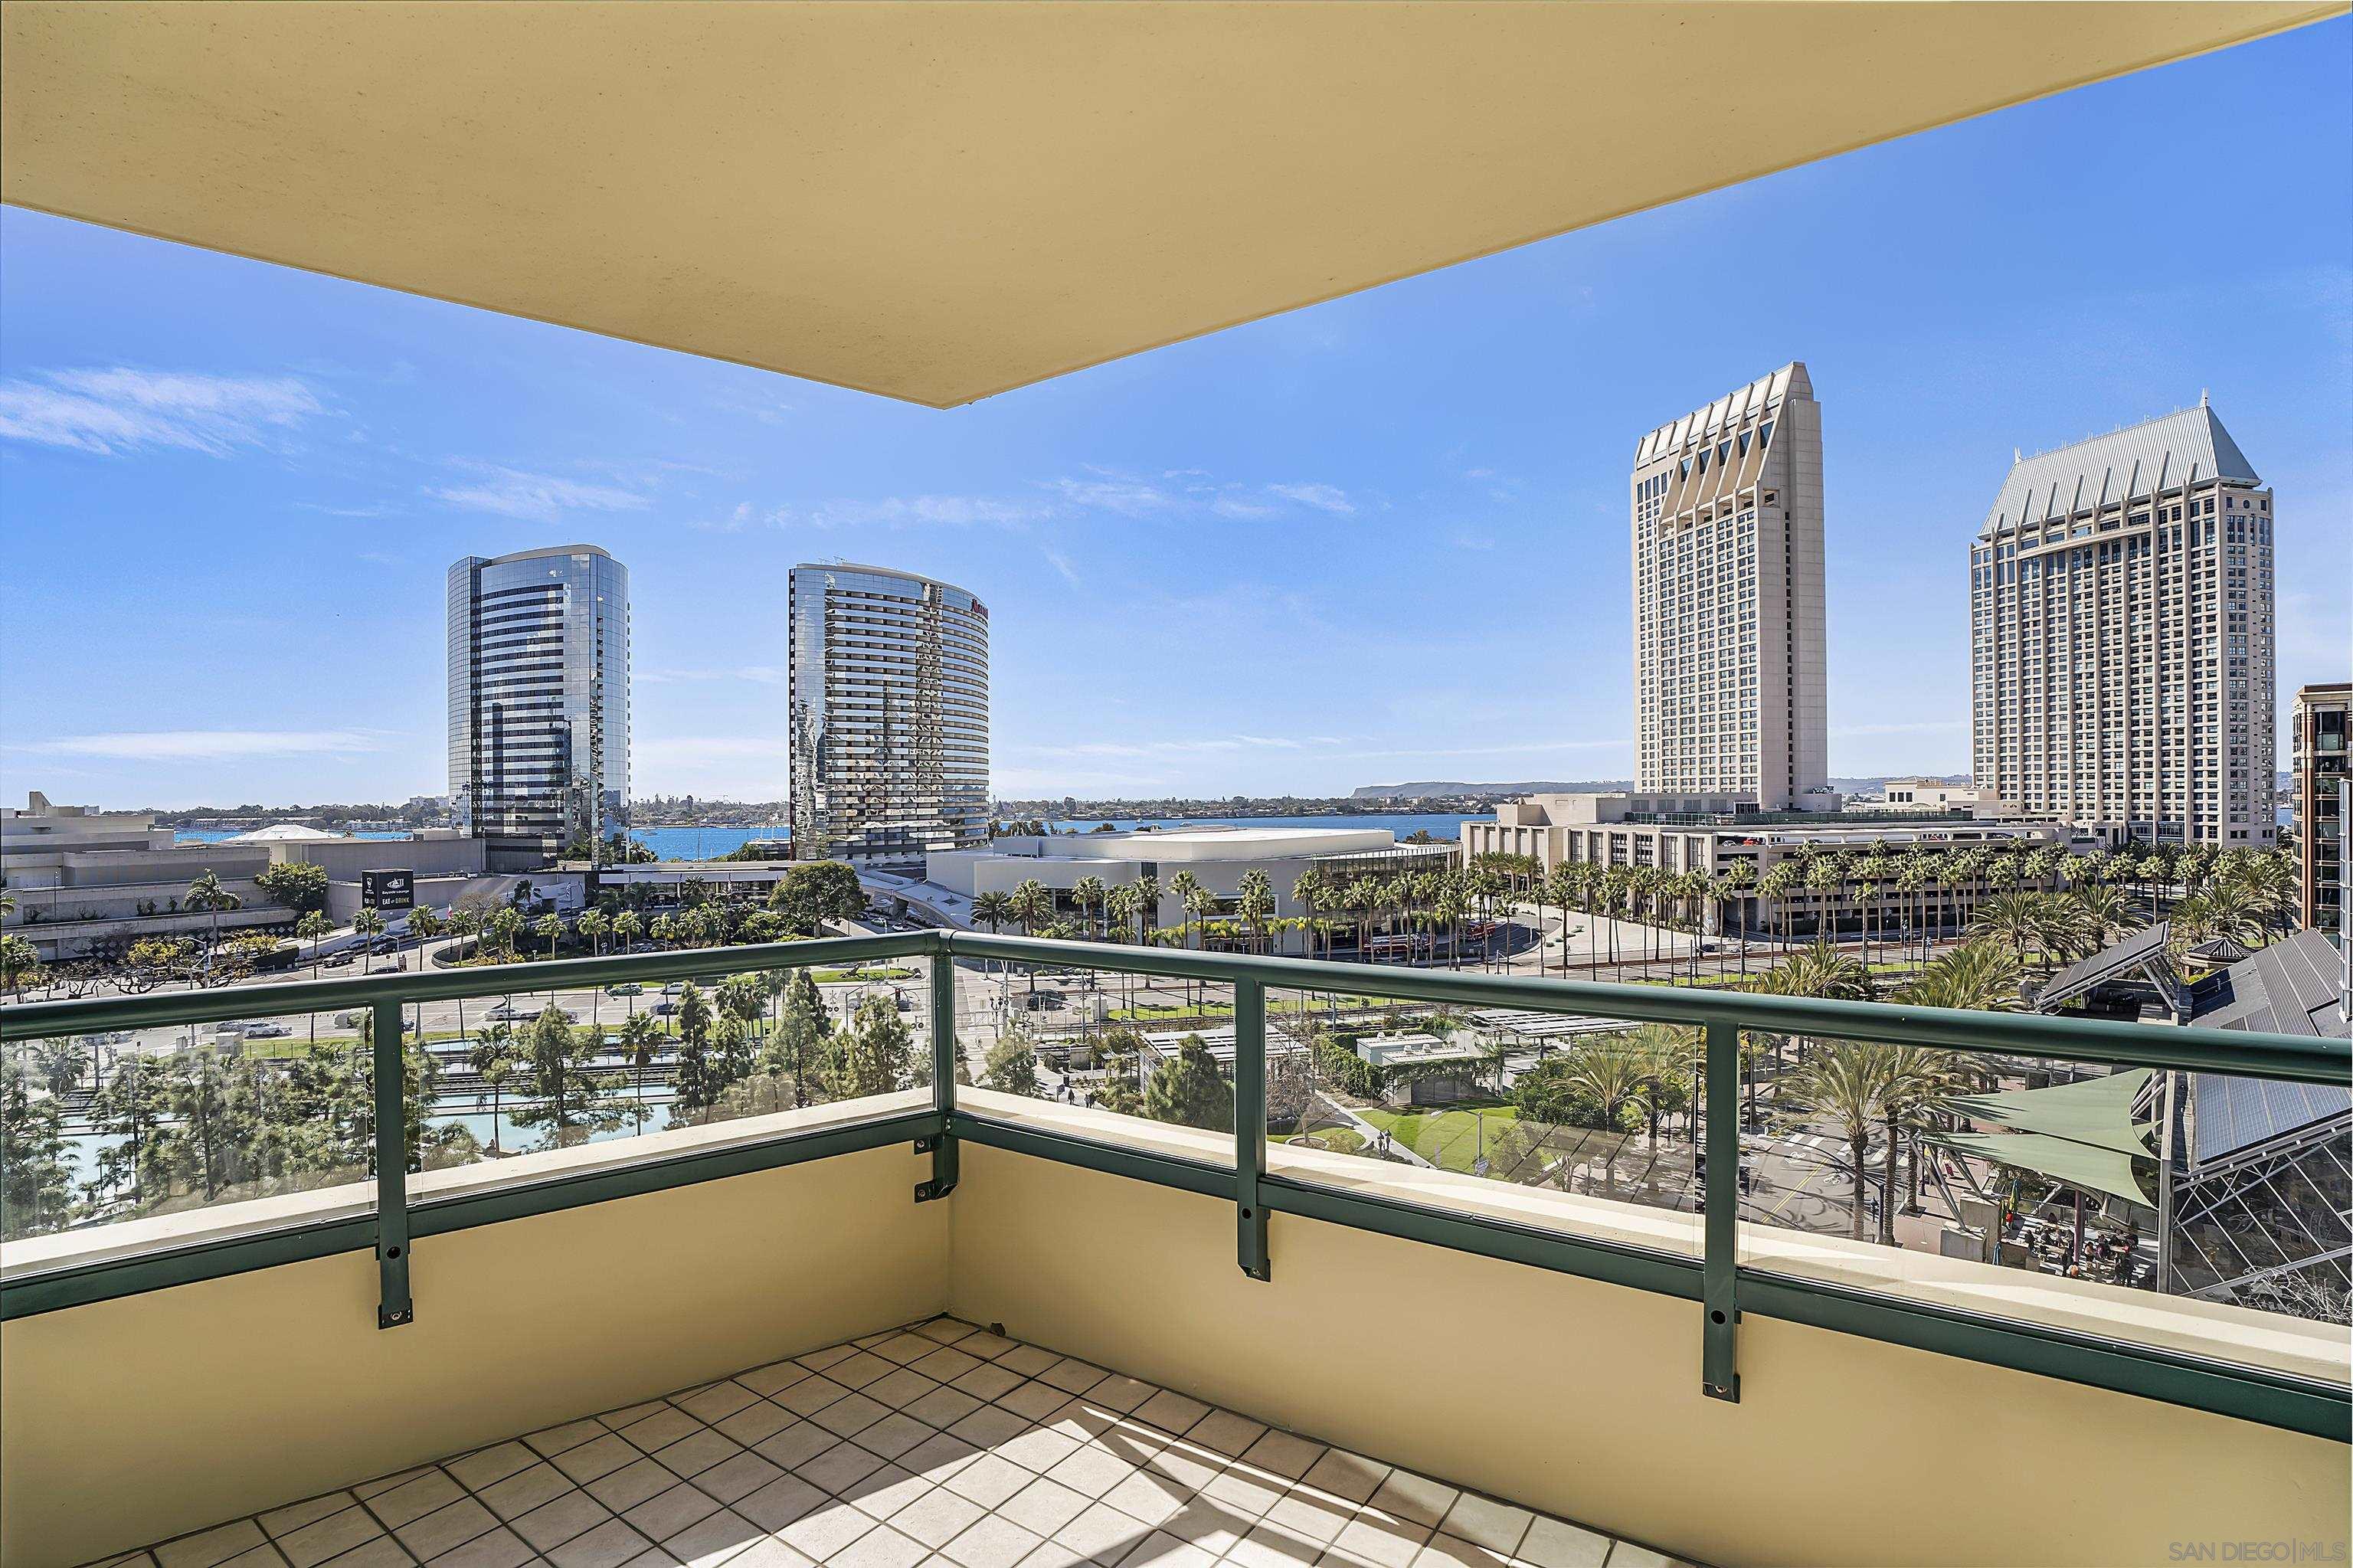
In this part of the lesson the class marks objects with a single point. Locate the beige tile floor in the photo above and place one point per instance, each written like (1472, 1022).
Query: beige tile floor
(940, 1444)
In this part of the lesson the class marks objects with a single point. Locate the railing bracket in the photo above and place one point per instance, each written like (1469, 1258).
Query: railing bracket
(943, 1150)
(394, 1306)
(1720, 1265)
(1250, 1125)
(941, 1145)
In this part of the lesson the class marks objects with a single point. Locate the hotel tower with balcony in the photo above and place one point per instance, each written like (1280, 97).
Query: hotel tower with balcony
(2120, 605)
(539, 701)
(888, 694)
(1728, 620)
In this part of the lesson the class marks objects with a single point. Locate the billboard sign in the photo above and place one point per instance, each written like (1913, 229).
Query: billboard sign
(387, 890)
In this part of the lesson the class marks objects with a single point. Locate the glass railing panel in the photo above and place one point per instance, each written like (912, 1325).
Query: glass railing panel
(171, 1130)
(1583, 1124)
(530, 1072)
(1151, 1052)
(2193, 1213)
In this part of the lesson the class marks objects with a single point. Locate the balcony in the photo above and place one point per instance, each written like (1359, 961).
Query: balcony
(1585, 1359)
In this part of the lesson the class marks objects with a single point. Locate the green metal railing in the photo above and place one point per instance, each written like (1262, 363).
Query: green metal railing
(1717, 1281)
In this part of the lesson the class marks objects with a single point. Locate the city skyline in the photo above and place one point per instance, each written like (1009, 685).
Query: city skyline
(1293, 558)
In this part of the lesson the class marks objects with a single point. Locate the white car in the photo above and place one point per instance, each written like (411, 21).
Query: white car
(267, 1028)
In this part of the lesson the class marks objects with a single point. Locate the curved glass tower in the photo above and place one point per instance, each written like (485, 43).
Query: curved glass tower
(889, 705)
(539, 701)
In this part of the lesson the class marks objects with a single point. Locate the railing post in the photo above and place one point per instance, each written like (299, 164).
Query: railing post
(394, 1306)
(1720, 1266)
(941, 1145)
(1249, 1124)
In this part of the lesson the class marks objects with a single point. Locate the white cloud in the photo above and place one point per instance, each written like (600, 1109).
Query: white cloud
(1114, 492)
(207, 745)
(535, 497)
(1323, 497)
(375, 511)
(736, 522)
(114, 411)
(1238, 507)
(1061, 562)
(954, 510)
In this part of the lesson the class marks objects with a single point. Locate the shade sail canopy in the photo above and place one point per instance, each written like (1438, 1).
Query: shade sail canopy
(2095, 1112)
(941, 202)
(2077, 1165)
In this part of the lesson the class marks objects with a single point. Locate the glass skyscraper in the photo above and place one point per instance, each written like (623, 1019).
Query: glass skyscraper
(539, 701)
(888, 694)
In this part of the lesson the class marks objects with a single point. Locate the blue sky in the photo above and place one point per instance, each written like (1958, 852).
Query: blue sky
(1382, 538)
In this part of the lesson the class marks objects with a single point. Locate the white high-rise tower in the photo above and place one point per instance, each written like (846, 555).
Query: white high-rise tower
(1729, 672)
(2120, 606)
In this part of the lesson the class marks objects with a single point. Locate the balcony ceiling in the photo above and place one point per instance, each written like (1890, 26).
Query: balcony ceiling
(940, 203)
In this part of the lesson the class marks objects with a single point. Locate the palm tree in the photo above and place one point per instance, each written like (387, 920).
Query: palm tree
(206, 894)
(1309, 890)
(1825, 874)
(1147, 907)
(593, 924)
(367, 925)
(1184, 888)
(549, 928)
(641, 1042)
(1917, 1088)
(1256, 906)
(1777, 887)
(492, 1058)
(2012, 917)
(1739, 879)
(627, 926)
(1842, 1081)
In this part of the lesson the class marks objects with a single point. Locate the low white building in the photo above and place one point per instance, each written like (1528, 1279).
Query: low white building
(91, 883)
(1217, 855)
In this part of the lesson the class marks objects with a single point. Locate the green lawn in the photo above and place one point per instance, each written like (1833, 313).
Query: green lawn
(1447, 1138)
(1339, 1139)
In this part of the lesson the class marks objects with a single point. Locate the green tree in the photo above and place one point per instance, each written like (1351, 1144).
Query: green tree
(568, 1098)
(1189, 1091)
(492, 1054)
(549, 928)
(36, 1185)
(628, 926)
(698, 1087)
(1842, 1082)
(207, 894)
(799, 1044)
(127, 1111)
(876, 1052)
(294, 885)
(501, 929)
(813, 891)
(642, 1043)
(1011, 1066)
(20, 962)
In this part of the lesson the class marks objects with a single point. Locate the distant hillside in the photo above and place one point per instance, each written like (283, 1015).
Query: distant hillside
(1426, 789)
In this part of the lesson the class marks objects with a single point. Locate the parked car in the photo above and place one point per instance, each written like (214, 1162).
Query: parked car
(341, 960)
(384, 945)
(267, 1028)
